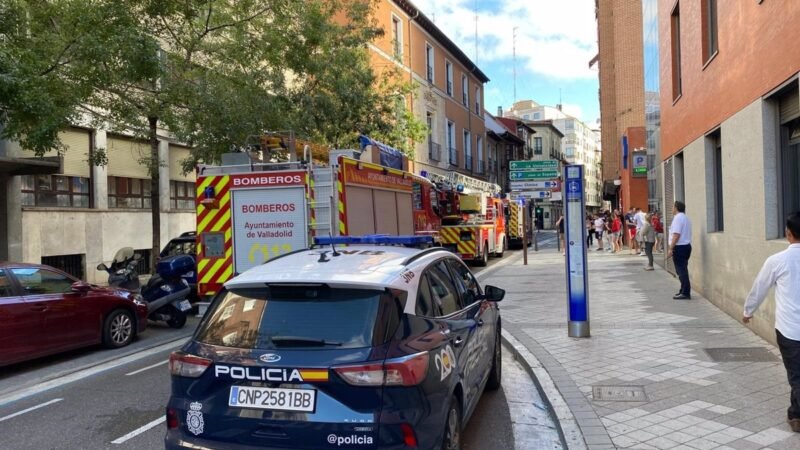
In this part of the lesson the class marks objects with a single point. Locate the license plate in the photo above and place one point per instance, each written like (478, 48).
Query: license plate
(184, 305)
(275, 399)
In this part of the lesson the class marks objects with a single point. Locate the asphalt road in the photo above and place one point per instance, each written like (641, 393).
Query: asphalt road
(96, 399)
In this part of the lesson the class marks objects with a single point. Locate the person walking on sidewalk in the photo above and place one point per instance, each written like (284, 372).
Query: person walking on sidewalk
(560, 226)
(589, 231)
(649, 237)
(599, 228)
(616, 232)
(782, 270)
(640, 218)
(659, 227)
(680, 248)
(630, 230)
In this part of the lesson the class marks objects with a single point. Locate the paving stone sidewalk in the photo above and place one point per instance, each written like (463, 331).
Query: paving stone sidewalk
(657, 373)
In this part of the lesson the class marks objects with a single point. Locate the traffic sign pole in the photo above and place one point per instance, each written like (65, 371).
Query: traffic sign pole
(525, 235)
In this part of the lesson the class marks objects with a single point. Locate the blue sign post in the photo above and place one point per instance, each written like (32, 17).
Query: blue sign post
(575, 240)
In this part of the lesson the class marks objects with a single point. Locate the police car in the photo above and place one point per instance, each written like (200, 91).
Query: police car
(342, 347)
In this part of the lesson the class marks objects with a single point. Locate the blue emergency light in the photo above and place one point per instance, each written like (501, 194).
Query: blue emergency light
(374, 239)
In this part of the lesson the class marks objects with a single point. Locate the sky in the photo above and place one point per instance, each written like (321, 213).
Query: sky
(555, 40)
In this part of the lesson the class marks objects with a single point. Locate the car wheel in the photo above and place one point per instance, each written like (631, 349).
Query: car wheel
(118, 329)
(496, 373)
(452, 427)
(177, 318)
(485, 257)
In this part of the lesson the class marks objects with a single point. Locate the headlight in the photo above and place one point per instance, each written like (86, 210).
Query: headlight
(166, 288)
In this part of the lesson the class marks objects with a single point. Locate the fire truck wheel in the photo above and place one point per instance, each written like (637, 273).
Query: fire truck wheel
(485, 258)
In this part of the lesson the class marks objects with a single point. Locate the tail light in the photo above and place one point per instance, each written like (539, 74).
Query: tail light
(172, 419)
(186, 365)
(405, 371)
(409, 437)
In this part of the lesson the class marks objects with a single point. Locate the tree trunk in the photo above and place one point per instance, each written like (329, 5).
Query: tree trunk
(155, 208)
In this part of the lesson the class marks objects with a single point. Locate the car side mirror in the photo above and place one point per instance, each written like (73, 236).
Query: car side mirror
(81, 287)
(102, 267)
(493, 293)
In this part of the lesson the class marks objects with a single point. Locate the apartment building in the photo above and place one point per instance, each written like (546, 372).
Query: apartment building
(579, 144)
(730, 137)
(448, 89)
(622, 116)
(67, 213)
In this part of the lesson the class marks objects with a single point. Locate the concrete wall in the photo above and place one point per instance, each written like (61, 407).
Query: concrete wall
(97, 234)
(724, 264)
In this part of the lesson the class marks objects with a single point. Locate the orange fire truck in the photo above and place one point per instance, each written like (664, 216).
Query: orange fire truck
(473, 219)
(250, 213)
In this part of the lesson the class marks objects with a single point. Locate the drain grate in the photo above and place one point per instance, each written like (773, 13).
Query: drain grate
(741, 354)
(619, 393)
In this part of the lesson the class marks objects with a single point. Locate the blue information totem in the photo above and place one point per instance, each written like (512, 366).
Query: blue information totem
(575, 242)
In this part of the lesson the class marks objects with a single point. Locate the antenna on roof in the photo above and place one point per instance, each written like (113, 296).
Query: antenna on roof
(514, 49)
(333, 247)
(476, 32)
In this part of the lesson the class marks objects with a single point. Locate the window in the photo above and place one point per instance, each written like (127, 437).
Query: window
(570, 152)
(465, 90)
(537, 146)
(451, 142)
(397, 37)
(71, 264)
(144, 265)
(710, 34)
(425, 305)
(675, 24)
(36, 281)
(429, 61)
(467, 150)
(5, 285)
(448, 68)
(181, 195)
(537, 116)
(526, 116)
(468, 287)
(128, 193)
(714, 181)
(443, 289)
(789, 159)
(55, 191)
(479, 150)
(477, 100)
(569, 125)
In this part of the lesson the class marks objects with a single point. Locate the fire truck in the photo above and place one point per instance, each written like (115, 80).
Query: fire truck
(519, 223)
(473, 218)
(252, 212)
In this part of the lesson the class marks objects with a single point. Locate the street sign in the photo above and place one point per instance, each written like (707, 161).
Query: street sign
(546, 164)
(575, 243)
(522, 185)
(533, 194)
(541, 175)
(555, 196)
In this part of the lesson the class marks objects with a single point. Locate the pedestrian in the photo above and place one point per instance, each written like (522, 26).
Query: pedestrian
(560, 225)
(607, 232)
(680, 248)
(599, 227)
(640, 218)
(616, 229)
(649, 238)
(659, 228)
(630, 230)
(782, 270)
(589, 231)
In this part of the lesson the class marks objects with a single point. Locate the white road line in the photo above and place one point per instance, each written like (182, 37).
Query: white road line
(139, 430)
(81, 374)
(32, 408)
(146, 368)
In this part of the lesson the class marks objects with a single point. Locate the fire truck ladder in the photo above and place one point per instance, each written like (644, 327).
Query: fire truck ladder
(321, 201)
(454, 179)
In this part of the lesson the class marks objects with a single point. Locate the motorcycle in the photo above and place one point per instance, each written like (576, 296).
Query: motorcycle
(165, 292)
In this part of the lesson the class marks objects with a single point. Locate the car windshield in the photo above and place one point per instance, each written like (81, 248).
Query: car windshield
(292, 317)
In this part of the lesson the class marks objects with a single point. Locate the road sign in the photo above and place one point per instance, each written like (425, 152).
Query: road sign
(555, 196)
(533, 194)
(522, 185)
(542, 175)
(546, 164)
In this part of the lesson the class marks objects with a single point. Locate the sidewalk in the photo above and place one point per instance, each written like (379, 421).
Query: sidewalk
(657, 373)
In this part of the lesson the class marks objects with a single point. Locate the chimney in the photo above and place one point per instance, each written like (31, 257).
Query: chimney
(499, 111)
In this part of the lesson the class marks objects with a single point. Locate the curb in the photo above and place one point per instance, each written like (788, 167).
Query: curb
(560, 412)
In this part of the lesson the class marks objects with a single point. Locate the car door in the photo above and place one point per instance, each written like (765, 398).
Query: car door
(68, 317)
(481, 338)
(20, 333)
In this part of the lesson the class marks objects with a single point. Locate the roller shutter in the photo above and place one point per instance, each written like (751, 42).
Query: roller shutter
(75, 157)
(405, 217)
(177, 154)
(385, 212)
(356, 223)
(669, 200)
(125, 156)
(790, 105)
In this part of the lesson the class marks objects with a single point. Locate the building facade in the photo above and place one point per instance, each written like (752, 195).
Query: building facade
(730, 137)
(448, 89)
(78, 215)
(622, 115)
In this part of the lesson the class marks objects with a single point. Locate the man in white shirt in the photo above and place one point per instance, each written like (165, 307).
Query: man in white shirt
(680, 248)
(599, 228)
(640, 218)
(782, 270)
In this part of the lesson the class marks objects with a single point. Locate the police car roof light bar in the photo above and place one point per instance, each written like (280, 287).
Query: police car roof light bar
(374, 239)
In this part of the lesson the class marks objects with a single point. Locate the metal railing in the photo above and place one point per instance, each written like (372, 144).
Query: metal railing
(434, 151)
(481, 165)
(468, 162)
(453, 156)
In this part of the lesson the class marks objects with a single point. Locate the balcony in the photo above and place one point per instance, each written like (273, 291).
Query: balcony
(468, 163)
(434, 151)
(492, 166)
(430, 74)
(450, 88)
(453, 157)
(481, 166)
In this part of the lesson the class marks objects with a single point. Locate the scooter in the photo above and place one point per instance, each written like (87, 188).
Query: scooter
(165, 293)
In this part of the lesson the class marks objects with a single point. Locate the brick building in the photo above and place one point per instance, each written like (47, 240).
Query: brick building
(622, 115)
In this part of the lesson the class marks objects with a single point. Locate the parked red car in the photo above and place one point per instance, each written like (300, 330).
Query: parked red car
(44, 311)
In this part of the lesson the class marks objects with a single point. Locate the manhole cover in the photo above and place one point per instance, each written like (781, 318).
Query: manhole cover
(619, 393)
(741, 354)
